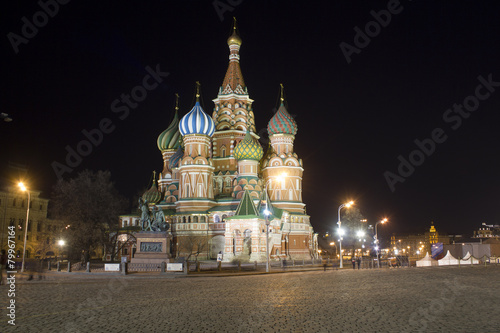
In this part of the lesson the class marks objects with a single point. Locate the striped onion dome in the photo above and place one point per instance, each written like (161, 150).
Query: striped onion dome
(169, 138)
(197, 122)
(173, 162)
(248, 149)
(282, 123)
(152, 195)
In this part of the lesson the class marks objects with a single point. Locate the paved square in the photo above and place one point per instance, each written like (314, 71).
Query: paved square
(440, 299)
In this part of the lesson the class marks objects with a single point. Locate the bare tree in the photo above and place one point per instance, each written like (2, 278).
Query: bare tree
(191, 245)
(90, 205)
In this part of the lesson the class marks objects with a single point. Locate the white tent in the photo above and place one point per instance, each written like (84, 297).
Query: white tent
(468, 260)
(447, 260)
(426, 261)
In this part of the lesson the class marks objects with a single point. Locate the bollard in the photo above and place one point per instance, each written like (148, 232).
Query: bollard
(459, 259)
(123, 267)
(88, 267)
(198, 266)
(48, 268)
(186, 267)
(293, 263)
(255, 263)
(69, 267)
(484, 258)
(219, 266)
(163, 267)
(303, 262)
(58, 266)
(239, 266)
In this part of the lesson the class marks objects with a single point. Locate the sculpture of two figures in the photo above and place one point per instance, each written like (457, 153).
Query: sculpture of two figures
(154, 221)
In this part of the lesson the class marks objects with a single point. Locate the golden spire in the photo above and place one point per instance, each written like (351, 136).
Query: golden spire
(282, 97)
(154, 176)
(234, 38)
(197, 91)
(176, 101)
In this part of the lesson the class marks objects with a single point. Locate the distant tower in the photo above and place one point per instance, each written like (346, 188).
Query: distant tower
(248, 153)
(233, 117)
(168, 143)
(282, 168)
(195, 167)
(433, 234)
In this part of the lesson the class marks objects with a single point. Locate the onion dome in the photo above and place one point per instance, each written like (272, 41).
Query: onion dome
(234, 39)
(169, 138)
(282, 122)
(152, 195)
(197, 121)
(248, 149)
(173, 162)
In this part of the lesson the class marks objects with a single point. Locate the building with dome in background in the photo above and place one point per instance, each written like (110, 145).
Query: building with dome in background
(217, 187)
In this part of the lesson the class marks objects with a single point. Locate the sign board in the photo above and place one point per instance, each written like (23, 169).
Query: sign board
(124, 259)
(219, 257)
(174, 267)
(111, 267)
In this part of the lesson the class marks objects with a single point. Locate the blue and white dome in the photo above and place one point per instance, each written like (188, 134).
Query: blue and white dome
(197, 122)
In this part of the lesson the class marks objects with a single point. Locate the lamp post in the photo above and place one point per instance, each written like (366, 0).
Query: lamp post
(376, 240)
(266, 213)
(24, 189)
(61, 244)
(349, 204)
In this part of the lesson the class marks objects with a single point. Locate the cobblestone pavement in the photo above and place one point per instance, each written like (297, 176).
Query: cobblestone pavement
(434, 299)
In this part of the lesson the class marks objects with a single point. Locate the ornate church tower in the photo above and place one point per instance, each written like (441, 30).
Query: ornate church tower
(195, 167)
(248, 153)
(282, 168)
(233, 117)
(168, 143)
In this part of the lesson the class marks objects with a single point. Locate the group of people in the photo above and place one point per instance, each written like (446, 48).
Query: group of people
(355, 260)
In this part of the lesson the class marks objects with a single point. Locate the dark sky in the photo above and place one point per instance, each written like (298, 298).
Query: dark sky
(354, 119)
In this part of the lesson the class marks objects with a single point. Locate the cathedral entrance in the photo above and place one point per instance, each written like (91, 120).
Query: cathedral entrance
(247, 242)
(216, 246)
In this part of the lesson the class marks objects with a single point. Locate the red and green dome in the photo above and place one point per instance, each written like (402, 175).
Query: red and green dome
(282, 123)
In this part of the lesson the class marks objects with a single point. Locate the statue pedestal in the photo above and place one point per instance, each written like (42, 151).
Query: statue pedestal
(153, 247)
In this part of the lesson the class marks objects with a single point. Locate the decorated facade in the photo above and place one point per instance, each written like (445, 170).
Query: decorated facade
(217, 184)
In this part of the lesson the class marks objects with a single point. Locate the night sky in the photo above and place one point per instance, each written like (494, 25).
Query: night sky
(354, 118)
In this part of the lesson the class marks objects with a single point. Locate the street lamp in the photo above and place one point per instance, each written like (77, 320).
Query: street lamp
(24, 189)
(333, 244)
(376, 241)
(267, 213)
(341, 232)
(61, 244)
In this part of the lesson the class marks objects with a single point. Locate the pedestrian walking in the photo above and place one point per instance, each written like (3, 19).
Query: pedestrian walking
(3, 264)
(353, 263)
(359, 262)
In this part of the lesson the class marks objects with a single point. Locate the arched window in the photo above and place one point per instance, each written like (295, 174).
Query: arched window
(195, 219)
(202, 219)
(224, 218)
(216, 218)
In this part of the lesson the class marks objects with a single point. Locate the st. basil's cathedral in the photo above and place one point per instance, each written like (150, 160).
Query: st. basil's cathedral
(217, 188)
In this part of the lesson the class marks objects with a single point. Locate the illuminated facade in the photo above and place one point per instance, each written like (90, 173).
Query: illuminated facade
(216, 180)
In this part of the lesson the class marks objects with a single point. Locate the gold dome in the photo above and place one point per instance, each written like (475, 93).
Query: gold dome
(234, 39)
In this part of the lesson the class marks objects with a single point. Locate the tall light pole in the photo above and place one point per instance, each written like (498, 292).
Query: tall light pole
(24, 189)
(266, 213)
(61, 244)
(349, 204)
(376, 240)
